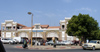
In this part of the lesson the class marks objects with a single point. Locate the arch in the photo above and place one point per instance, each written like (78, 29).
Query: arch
(23, 34)
(37, 35)
(52, 34)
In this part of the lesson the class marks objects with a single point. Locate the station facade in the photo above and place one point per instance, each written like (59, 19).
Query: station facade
(11, 29)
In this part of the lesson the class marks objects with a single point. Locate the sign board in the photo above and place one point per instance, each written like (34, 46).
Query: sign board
(37, 30)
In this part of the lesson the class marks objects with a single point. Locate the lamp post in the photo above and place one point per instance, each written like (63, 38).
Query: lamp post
(31, 25)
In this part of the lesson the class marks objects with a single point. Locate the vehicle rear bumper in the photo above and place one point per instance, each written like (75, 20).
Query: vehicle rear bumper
(86, 47)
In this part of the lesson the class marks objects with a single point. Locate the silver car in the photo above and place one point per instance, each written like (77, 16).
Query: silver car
(7, 40)
(67, 42)
(50, 42)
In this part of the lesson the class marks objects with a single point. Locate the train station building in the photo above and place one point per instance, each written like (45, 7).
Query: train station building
(10, 29)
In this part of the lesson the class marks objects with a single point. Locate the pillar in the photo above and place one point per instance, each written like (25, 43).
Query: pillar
(28, 35)
(65, 36)
(5, 31)
(60, 36)
(12, 30)
(1, 27)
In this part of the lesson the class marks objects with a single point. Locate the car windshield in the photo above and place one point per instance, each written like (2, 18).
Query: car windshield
(65, 41)
(92, 42)
(9, 39)
(51, 41)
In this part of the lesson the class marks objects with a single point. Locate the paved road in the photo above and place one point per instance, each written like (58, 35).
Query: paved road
(11, 48)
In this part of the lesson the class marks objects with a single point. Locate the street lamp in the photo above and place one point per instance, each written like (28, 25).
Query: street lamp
(31, 25)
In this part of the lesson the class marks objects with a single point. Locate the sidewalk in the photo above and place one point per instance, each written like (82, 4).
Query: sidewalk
(50, 47)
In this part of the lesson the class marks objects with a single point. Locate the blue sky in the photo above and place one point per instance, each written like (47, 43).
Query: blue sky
(47, 11)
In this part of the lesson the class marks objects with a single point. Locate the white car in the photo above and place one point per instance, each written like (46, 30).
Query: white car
(93, 44)
(67, 42)
(7, 40)
(50, 43)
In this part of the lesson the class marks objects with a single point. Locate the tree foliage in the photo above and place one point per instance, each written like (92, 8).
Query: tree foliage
(83, 26)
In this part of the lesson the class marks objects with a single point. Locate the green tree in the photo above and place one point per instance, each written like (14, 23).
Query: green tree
(83, 26)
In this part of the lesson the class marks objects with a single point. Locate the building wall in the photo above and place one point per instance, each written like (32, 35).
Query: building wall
(7, 29)
(44, 35)
(59, 33)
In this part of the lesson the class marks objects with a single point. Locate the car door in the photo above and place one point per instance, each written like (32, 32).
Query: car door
(4, 40)
(98, 44)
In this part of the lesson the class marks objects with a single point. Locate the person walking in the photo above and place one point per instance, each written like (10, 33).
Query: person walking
(54, 40)
(25, 43)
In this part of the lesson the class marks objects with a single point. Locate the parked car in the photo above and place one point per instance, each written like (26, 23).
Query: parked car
(59, 43)
(93, 44)
(50, 42)
(18, 39)
(7, 40)
(75, 42)
(35, 42)
(67, 42)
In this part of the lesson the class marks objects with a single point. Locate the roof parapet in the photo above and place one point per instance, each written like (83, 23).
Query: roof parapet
(8, 20)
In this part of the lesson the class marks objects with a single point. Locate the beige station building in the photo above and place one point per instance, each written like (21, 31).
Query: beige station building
(11, 29)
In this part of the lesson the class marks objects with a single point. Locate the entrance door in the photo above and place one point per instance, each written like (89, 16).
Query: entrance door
(48, 39)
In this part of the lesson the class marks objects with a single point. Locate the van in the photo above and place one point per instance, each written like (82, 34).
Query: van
(18, 39)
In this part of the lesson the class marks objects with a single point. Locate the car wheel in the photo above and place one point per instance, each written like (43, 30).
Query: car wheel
(50, 44)
(17, 42)
(93, 48)
(9, 42)
(84, 48)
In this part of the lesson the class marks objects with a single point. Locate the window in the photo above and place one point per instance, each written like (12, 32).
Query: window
(8, 28)
(98, 42)
(92, 41)
(3, 28)
(63, 26)
(37, 26)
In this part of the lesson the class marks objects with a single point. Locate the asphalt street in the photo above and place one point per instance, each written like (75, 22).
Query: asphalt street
(11, 48)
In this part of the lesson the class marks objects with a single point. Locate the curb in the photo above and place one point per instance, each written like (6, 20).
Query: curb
(50, 48)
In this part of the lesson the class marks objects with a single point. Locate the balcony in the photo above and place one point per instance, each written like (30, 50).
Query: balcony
(8, 30)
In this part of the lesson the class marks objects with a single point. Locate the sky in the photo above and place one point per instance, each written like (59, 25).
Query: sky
(47, 11)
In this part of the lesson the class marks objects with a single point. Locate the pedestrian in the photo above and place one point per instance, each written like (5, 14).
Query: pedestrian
(2, 49)
(80, 43)
(24, 44)
(30, 41)
(75, 42)
(54, 40)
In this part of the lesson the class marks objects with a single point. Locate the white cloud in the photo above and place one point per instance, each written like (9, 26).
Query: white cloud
(86, 9)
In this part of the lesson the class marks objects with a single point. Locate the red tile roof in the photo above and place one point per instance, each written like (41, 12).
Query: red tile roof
(26, 28)
(53, 27)
(44, 26)
(21, 25)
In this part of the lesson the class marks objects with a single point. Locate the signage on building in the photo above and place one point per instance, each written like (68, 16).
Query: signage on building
(37, 30)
